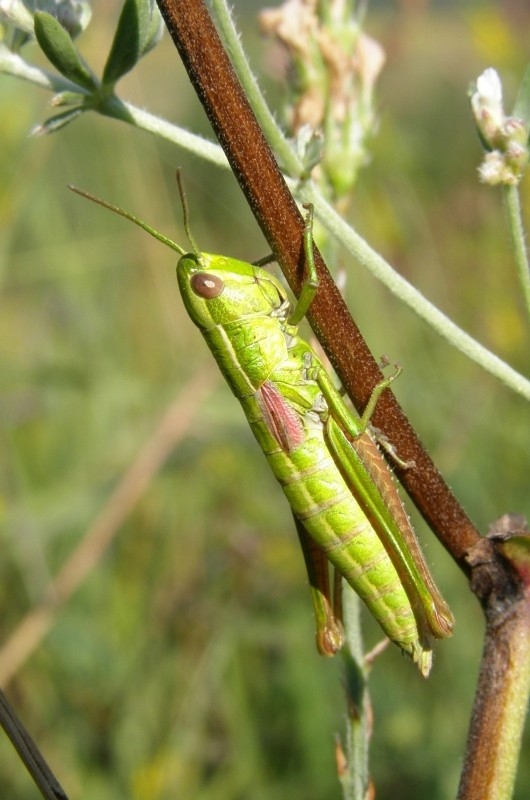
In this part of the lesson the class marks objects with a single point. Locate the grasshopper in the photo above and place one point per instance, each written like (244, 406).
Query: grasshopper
(341, 492)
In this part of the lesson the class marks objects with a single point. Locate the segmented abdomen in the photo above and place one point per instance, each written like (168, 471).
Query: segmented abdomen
(322, 501)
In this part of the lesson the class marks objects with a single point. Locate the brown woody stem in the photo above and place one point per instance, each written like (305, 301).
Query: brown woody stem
(501, 699)
(276, 212)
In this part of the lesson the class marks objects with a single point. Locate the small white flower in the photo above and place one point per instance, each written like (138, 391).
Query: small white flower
(489, 87)
(496, 169)
(504, 138)
(486, 103)
(492, 169)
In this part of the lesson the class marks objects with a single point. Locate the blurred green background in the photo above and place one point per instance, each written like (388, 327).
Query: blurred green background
(184, 666)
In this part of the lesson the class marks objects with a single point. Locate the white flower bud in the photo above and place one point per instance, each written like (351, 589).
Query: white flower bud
(486, 103)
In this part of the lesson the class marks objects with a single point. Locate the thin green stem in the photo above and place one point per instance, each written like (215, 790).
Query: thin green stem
(12, 64)
(356, 777)
(285, 154)
(112, 106)
(513, 207)
(381, 270)
(198, 145)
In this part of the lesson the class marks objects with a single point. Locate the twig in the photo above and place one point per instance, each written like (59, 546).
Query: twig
(29, 753)
(500, 706)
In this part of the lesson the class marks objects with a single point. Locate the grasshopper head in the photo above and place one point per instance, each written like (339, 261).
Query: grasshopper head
(217, 290)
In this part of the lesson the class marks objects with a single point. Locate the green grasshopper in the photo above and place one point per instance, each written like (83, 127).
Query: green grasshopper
(346, 507)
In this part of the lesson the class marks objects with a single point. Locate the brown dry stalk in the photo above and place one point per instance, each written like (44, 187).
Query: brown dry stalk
(172, 427)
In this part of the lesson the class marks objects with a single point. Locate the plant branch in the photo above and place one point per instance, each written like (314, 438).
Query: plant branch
(501, 700)
(126, 112)
(256, 170)
(13, 64)
(354, 773)
(29, 753)
(289, 161)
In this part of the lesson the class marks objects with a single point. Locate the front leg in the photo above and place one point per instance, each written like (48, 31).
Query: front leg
(310, 284)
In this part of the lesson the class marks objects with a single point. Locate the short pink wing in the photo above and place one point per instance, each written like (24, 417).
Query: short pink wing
(281, 420)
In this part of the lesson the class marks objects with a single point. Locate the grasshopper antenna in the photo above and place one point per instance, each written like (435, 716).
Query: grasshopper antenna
(186, 212)
(137, 221)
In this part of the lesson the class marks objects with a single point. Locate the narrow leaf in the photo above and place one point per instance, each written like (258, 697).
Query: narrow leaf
(56, 43)
(154, 29)
(67, 99)
(139, 30)
(56, 123)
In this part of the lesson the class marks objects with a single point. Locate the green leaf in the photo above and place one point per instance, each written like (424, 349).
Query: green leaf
(56, 43)
(521, 109)
(68, 99)
(56, 123)
(139, 29)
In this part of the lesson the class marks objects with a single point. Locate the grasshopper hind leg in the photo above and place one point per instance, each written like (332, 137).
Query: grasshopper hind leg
(327, 605)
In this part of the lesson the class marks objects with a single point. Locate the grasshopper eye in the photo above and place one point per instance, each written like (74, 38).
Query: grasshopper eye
(206, 286)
